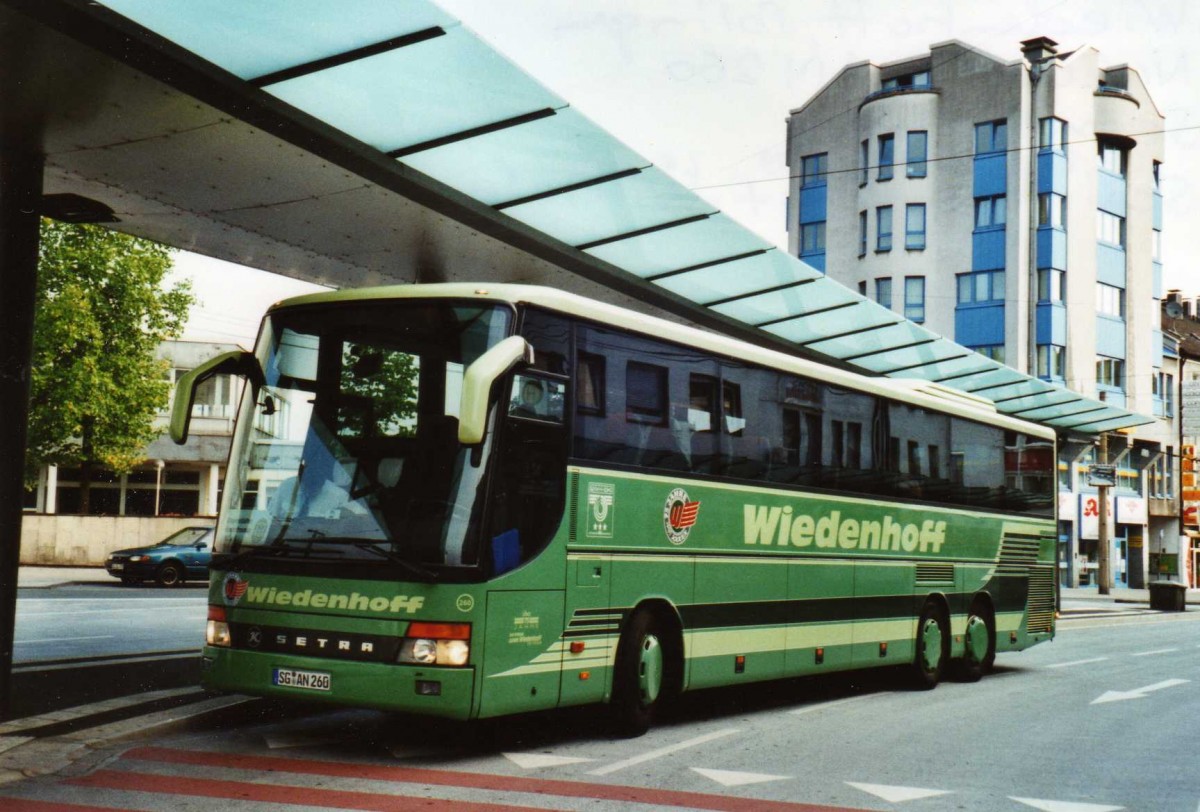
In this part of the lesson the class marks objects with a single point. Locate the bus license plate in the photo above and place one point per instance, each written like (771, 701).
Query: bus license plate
(308, 680)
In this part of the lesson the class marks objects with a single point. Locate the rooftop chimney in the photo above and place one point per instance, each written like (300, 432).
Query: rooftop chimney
(1038, 49)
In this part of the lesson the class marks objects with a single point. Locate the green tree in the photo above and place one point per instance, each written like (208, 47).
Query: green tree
(102, 311)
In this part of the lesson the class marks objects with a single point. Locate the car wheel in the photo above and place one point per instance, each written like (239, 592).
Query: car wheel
(169, 574)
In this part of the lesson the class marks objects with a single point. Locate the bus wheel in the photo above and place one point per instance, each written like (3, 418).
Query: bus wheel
(169, 574)
(638, 680)
(931, 648)
(980, 651)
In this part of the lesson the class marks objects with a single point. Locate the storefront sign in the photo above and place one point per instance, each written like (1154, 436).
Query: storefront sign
(1067, 507)
(1089, 516)
(1131, 510)
(1191, 513)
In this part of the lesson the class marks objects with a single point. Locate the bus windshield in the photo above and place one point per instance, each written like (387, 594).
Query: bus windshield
(350, 450)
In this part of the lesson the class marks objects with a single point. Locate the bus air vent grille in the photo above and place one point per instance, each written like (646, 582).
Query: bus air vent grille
(574, 503)
(935, 574)
(1041, 599)
(1018, 554)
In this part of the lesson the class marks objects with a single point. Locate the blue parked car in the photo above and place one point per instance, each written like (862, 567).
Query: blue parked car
(172, 561)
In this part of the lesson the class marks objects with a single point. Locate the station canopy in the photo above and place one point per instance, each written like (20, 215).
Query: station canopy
(379, 141)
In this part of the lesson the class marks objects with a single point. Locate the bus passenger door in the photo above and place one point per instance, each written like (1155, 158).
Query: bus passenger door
(522, 659)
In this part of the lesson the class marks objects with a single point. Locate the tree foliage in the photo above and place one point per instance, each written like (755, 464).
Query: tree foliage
(102, 312)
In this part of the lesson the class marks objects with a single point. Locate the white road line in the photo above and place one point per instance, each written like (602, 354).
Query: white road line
(1078, 662)
(1156, 651)
(824, 705)
(663, 751)
(65, 639)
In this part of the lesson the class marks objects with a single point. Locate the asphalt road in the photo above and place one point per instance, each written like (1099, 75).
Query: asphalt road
(1101, 719)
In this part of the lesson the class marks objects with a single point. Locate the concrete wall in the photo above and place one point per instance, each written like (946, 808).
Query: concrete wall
(82, 541)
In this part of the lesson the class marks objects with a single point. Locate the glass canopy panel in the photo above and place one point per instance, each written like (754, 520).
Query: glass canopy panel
(1058, 410)
(672, 249)
(424, 91)
(872, 341)
(728, 279)
(252, 39)
(644, 200)
(782, 304)
(910, 358)
(998, 374)
(1123, 420)
(805, 329)
(1027, 387)
(972, 362)
(1107, 415)
(538, 156)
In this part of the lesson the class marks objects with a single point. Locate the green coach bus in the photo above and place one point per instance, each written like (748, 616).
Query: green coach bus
(469, 502)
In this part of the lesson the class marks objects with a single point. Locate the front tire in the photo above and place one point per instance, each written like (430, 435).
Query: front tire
(169, 574)
(932, 649)
(639, 678)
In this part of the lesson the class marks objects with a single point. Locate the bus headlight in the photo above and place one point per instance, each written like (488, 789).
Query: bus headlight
(217, 632)
(436, 644)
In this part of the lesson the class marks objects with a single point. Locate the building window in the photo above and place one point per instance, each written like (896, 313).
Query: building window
(883, 228)
(813, 169)
(914, 298)
(1052, 135)
(883, 292)
(1156, 245)
(1110, 228)
(912, 81)
(1110, 301)
(1052, 210)
(862, 233)
(991, 136)
(1166, 385)
(1051, 360)
(864, 161)
(812, 238)
(1110, 373)
(1050, 285)
(887, 156)
(917, 154)
(914, 226)
(1158, 177)
(862, 288)
(981, 287)
(990, 212)
(992, 351)
(1111, 157)
(646, 393)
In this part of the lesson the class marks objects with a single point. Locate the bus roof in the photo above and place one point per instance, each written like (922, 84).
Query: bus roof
(913, 391)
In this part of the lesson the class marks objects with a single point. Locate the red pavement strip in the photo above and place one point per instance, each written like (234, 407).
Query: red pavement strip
(408, 775)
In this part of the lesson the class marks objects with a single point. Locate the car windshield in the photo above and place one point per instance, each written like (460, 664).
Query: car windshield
(184, 538)
(350, 451)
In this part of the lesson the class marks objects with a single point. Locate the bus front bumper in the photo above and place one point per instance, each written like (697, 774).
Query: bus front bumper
(445, 692)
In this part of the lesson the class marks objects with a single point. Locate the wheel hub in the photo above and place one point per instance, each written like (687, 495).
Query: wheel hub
(931, 645)
(650, 669)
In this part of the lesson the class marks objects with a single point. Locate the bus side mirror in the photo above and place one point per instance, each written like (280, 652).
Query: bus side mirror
(478, 380)
(237, 362)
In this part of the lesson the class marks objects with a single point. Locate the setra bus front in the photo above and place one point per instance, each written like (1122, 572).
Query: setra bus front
(350, 559)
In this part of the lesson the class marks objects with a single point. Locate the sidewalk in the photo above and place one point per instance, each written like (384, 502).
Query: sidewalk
(47, 577)
(1088, 600)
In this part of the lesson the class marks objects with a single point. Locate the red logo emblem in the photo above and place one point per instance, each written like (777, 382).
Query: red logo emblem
(234, 588)
(679, 516)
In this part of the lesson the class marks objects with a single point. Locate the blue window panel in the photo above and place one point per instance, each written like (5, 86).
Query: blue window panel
(1110, 265)
(1157, 270)
(1052, 173)
(1158, 211)
(991, 175)
(254, 39)
(1052, 324)
(987, 250)
(812, 203)
(1110, 337)
(979, 325)
(1110, 193)
(1052, 248)
(816, 260)
(1156, 348)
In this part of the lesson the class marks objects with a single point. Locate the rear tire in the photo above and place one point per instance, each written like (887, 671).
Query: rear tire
(640, 675)
(932, 649)
(980, 651)
(169, 574)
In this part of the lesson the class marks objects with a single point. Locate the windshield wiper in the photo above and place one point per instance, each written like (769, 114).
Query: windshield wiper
(232, 560)
(413, 567)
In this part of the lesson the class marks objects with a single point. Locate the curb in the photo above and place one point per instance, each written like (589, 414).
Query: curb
(25, 754)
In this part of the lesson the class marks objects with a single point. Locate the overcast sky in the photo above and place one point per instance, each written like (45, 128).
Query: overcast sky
(703, 87)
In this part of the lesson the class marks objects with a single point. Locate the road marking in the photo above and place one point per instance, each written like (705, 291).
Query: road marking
(1064, 806)
(1078, 662)
(1156, 651)
(824, 705)
(664, 751)
(1136, 693)
(895, 795)
(65, 639)
(728, 778)
(535, 761)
